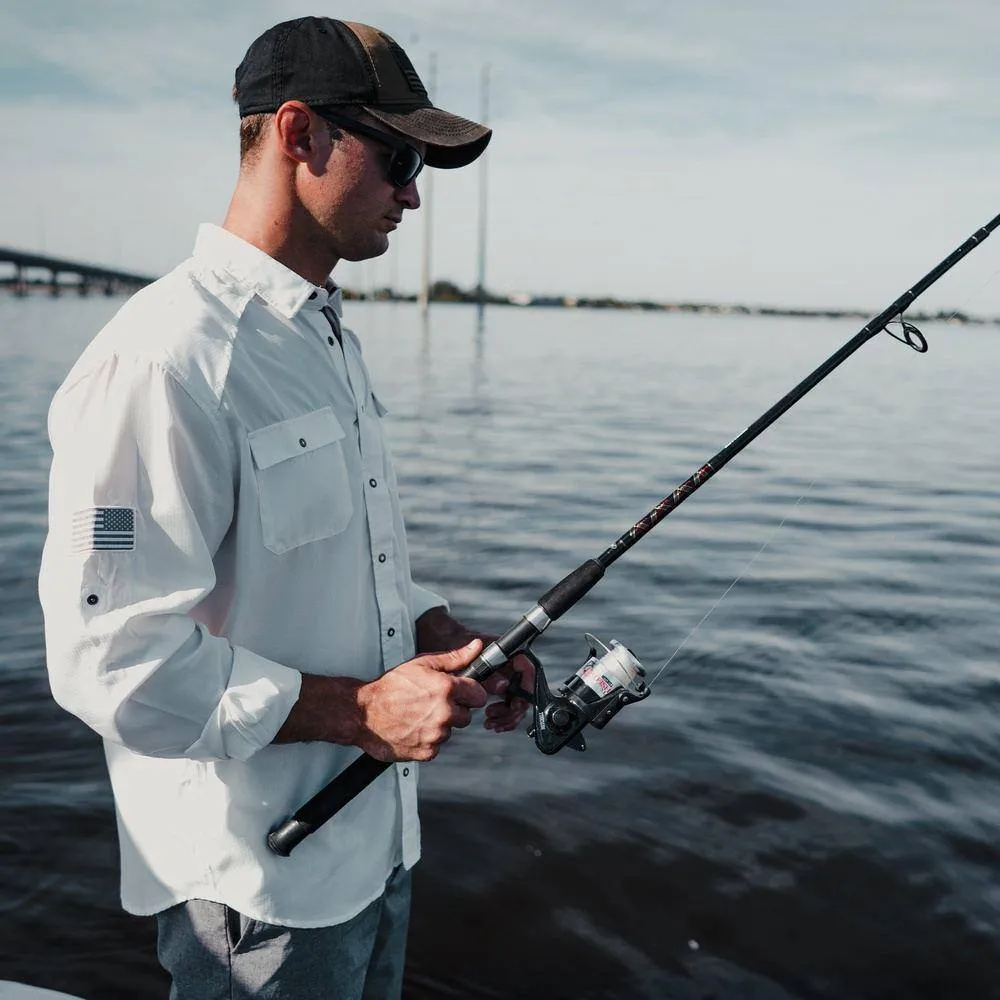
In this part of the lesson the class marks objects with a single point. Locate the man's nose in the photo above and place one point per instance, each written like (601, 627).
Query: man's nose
(409, 196)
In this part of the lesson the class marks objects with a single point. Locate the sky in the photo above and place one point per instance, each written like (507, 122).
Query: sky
(793, 153)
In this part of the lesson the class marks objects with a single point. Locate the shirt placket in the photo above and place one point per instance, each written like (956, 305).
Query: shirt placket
(395, 632)
(378, 507)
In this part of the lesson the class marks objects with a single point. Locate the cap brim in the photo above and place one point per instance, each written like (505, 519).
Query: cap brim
(451, 141)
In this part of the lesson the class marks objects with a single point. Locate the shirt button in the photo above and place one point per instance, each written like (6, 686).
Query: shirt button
(381, 557)
(312, 295)
(406, 772)
(373, 483)
(92, 599)
(390, 632)
(329, 340)
(302, 441)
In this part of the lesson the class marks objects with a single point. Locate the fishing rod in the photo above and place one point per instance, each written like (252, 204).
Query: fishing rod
(611, 677)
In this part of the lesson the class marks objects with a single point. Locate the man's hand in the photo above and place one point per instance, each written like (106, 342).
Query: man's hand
(406, 714)
(411, 710)
(505, 716)
(437, 630)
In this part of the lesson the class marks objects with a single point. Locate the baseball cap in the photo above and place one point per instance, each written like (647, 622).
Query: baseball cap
(325, 62)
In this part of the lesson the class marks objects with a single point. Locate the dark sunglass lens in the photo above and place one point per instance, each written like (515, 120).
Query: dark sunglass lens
(404, 163)
(404, 166)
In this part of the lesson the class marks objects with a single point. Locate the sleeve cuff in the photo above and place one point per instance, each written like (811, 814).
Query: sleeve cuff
(252, 709)
(422, 600)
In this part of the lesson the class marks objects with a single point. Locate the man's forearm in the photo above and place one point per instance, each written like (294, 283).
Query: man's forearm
(328, 709)
(405, 714)
(436, 631)
(337, 709)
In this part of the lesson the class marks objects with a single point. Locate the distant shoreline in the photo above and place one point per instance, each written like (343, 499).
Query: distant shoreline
(446, 292)
(443, 291)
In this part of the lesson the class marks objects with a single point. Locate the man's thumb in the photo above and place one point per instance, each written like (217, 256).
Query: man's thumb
(455, 659)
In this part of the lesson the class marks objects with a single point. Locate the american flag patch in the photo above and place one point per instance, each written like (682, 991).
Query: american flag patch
(99, 529)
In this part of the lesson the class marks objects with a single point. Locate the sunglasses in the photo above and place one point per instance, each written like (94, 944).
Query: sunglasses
(405, 162)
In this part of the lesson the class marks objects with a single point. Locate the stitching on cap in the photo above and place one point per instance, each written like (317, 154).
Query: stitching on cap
(373, 74)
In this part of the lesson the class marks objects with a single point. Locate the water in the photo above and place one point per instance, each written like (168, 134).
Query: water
(807, 805)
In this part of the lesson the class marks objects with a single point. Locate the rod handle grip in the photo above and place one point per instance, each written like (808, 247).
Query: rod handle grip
(560, 598)
(325, 804)
(337, 792)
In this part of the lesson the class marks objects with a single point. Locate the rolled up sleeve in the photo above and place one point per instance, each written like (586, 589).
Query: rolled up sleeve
(422, 600)
(141, 496)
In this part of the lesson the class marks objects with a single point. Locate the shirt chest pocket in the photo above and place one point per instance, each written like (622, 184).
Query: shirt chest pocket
(302, 480)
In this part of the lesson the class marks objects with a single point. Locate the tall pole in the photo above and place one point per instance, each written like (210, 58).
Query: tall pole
(484, 113)
(425, 269)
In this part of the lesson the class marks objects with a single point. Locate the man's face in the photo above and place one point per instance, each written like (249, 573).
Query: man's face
(352, 198)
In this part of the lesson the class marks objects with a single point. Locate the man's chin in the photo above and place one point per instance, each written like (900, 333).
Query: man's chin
(376, 249)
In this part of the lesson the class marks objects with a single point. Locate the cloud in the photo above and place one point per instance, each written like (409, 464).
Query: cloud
(779, 152)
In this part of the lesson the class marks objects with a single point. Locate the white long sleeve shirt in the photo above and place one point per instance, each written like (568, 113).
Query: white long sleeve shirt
(223, 516)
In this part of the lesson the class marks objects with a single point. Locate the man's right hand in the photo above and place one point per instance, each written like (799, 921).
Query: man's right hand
(408, 712)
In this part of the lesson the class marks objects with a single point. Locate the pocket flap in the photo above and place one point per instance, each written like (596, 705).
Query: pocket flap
(298, 436)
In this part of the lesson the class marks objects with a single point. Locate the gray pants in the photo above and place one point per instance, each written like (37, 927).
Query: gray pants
(214, 953)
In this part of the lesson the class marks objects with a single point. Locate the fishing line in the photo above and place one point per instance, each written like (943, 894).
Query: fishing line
(979, 291)
(743, 572)
(909, 331)
(941, 319)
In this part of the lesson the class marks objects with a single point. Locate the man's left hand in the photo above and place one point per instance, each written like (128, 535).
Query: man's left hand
(503, 716)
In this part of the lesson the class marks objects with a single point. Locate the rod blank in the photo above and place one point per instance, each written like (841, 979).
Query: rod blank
(560, 598)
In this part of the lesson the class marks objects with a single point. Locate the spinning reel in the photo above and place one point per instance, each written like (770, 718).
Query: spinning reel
(610, 679)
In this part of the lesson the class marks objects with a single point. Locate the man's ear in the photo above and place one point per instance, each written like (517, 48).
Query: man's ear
(293, 124)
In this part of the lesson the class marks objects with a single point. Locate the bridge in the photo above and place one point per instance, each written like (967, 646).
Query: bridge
(36, 270)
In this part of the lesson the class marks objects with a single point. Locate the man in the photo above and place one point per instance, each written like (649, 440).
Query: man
(226, 582)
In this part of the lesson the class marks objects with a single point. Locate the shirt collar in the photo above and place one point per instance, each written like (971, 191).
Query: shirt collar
(279, 286)
(328, 295)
